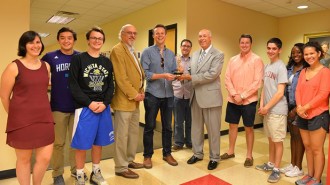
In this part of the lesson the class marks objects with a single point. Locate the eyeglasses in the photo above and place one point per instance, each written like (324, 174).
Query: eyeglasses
(96, 38)
(162, 62)
(186, 46)
(131, 33)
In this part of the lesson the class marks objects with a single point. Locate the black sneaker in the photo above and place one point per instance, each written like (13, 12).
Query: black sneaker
(75, 175)
(59, 180)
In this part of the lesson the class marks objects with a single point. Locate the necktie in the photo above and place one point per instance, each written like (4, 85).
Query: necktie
(201, 57)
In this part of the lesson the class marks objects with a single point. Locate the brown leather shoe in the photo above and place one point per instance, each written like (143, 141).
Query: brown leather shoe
(170, 160)
(128, 174)
(135, 165)
(147, 163)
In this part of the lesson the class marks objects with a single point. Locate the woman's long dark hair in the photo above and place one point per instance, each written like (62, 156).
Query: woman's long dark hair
(291, 62)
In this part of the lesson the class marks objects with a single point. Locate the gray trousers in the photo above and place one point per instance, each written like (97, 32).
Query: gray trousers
(212, 118)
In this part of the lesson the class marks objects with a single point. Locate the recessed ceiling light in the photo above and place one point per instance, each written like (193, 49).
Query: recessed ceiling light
(44, 34)
(56, 19)
(302, 7)
(62, 17)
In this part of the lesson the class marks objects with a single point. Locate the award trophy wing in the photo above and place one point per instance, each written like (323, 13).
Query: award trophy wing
(179, 70)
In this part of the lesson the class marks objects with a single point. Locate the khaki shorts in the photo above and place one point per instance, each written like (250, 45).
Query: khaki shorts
(275, 126)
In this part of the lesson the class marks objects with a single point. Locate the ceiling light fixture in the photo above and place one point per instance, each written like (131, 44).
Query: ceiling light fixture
(62, 17)
(301, 7)
(43, 35)
(55, 19)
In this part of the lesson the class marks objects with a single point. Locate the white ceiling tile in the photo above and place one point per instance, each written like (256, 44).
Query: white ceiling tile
(253, 1)
(311, 8)
(43, 11)
(323, 3)
(98, 12)
(87, 18)
(74, 9)
(136, 1)
(121, 4)
(46, 6)
(280, 12)
(92, 1)
(94, 14)
(82, 4)
(108, 10)
(239, 2)
(261, 6)
(149, 2)
(284, 3)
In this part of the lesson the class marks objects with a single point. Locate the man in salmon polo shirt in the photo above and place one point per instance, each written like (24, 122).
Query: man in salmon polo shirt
(243, 79)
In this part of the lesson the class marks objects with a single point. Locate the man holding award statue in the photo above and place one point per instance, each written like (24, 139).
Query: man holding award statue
(206, 98)
(159, 64)
(181, 108)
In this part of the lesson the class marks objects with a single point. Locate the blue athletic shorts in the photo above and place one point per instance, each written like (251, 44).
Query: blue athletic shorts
(92, 129)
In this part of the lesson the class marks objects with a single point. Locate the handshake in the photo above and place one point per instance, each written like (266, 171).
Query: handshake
(180, 75)
(183, 77)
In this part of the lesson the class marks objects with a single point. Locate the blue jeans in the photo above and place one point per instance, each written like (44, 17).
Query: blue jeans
(151, 105)
(182, 117)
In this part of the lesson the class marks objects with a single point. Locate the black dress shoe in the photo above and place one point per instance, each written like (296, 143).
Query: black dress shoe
(212, 165)
(193, 160)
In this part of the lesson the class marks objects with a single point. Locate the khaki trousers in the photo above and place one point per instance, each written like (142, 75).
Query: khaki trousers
(63, 125)
(126, 128)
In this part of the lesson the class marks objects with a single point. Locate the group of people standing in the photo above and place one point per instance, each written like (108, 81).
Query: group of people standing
(85, 84)
(295, 96)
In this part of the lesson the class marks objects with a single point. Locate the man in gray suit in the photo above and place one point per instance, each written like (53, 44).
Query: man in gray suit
(206, 98)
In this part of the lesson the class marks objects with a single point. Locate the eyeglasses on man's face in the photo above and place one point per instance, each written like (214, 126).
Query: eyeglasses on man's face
(131, 33)
(96, 38)
(185, 46)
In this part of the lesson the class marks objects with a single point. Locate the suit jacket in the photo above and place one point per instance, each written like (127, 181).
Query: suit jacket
(127, 77)
(206, 78)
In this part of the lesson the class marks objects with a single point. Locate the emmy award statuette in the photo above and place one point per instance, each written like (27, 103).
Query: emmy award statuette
(179, 71)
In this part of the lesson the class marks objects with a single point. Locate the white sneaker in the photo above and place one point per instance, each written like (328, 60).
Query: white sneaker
(286, 169)
(80, 180)
(295, 172)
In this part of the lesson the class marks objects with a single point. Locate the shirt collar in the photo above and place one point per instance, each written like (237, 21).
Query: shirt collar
(130, 48)
(157, 48)
(247, 55)
(185, 59)
(208, 49)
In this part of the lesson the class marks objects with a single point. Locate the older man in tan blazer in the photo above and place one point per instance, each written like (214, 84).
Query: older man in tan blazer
(129, 78)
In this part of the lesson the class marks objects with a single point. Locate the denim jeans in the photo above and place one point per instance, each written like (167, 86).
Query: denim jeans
(182, 118)
(151, 105)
